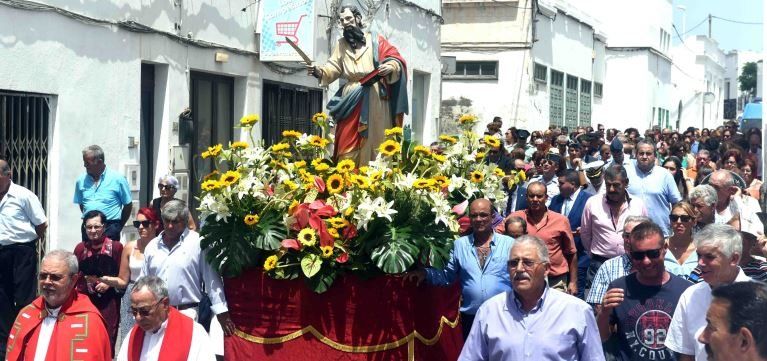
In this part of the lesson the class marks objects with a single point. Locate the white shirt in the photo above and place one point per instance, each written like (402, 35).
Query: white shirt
(567, 203)
(46, 331)
(690, 319)
(20, 213)
(745, 208)
(200, 349)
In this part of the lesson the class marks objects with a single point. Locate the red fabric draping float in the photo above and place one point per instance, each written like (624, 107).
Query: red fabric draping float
(384, 318)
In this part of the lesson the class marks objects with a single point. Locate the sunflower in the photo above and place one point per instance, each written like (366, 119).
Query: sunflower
(338, 222)
(319, 117)
(281, 165)
(393, 131)
(238, 145)
(349, 211)
(291, 134)
(270, 263)
(292, 207)
(215, 150)
(439, 157)
(421, 149)
(318, 141)
(212, 175)
(345, 166)
(477, 176)
(251, 219)
(360, 181)
(441, 180)
(422, 183)
(522, 176)
(479, 156)
(300, 164)
(389, 148)
(335, 183)
(333, 233)
(327, 251)
(307, 237)
(249, 120)
(467, 119)
(210, 185)
(229, 178)
(499, 172)
(492, 141)
(280, 147)
(286, 154)
(289, 185)
(321, 167)
(448, 139)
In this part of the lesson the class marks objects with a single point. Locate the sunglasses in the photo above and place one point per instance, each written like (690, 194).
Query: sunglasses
(165, 186)
(526, 263)
(54, 277)
(144, 224)
(640, 255)
(677, 217)
(145, 311)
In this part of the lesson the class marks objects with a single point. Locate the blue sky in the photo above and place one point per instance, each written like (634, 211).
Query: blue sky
(730, 36)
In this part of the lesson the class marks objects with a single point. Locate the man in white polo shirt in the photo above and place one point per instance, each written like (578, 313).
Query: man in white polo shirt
(22, 222)
(719, 249)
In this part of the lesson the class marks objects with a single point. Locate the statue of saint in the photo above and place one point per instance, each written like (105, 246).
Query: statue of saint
(375, 95)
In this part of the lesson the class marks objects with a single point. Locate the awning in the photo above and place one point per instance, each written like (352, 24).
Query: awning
(752, 111)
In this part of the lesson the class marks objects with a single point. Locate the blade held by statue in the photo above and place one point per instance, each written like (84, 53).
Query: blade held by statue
(299, 51)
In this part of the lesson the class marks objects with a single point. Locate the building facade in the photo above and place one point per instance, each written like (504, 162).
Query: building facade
(155, 83)
(700, 87)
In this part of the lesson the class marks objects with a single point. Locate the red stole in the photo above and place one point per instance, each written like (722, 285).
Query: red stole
(175, 344)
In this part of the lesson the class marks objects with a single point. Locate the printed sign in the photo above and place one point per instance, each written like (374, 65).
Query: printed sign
(293, 19)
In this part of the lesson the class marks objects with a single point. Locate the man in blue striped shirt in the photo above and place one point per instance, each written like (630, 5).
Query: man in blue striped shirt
(478, 260)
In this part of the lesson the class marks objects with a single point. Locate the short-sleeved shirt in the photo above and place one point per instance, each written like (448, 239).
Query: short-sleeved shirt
(658, 191)
(20, 213)
(608, 272)
(683, 270)
(108, 196)
(756, 269)
(689, 319)
(644, 316)
(552, 187)
(556, 232)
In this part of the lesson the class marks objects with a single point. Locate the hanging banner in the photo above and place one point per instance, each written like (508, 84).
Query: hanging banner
(293, 19)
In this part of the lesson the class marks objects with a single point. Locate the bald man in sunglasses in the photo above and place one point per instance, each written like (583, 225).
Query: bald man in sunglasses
(638, 308)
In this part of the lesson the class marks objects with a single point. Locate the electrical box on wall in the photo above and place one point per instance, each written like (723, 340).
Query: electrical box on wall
(183, 186)
(180, 158)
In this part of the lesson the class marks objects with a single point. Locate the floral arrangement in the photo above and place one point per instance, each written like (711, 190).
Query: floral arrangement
(298, 213)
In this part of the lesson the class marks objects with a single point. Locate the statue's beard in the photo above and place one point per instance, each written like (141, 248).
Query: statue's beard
(354, 36)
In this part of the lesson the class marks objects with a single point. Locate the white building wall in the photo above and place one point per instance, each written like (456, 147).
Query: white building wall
(699, 67)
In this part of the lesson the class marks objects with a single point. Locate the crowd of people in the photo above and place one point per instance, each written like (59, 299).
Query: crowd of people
(136, 300)
(615, 246)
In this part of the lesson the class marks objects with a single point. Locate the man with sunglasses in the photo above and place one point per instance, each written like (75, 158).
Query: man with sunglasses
(550, 169)
(637, 308)
(102, 189)
(162, 332)
(62, 324)
(720, 248)
(532, 321)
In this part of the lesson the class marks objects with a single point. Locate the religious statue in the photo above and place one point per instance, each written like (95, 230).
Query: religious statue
(375, 95)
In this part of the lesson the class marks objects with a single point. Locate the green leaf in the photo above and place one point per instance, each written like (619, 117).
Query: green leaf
(311, 264)
(322, 282)
(394, 257)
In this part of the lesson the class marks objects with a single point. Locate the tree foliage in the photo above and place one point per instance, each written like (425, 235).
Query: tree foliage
(747, 78)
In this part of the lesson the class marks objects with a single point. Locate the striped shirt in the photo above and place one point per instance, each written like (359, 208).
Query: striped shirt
(756, 269)
(608, 272)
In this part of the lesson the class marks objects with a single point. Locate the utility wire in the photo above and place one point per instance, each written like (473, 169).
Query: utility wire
(736, 21)
(680, 38)
(696, 26)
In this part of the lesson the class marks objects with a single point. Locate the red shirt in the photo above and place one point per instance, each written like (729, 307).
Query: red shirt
(555, 231)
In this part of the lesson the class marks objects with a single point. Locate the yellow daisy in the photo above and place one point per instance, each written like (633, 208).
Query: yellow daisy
(333, 233)
(300, 164)
(499, 172)
(345, 166)
(439, 157)
(421, 149)
(270, 263)
(477, 176)
(393, 131)
(229, 178)
(251, 219)
(389, 148)
(215, 150)
(492, 141)
(338, 222)
(289, 185)
(318, 141)
(467, 119)
(249, 120)
(307, 237)
(327, 251)
(335, 183)
(291, 134)
(238, 145)
(280, 147)
(448, 139)
(360, 181)
(210, 185)
(422, 183)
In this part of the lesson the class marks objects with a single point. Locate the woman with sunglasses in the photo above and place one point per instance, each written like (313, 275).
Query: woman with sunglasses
(168, 186)
(674, 165)
(147, 222)
(682, 258)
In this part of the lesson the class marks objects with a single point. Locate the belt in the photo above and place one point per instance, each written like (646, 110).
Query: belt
(186, 306)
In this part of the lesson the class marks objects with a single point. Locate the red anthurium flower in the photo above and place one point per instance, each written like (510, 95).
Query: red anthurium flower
(291, 244)
(350, 232)
(319, 184)
(460, 208)
(342, 258)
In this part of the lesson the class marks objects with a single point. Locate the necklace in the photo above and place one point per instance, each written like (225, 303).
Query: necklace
(482, 253)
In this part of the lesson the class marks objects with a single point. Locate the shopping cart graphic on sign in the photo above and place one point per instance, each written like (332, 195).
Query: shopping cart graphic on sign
(288, 29)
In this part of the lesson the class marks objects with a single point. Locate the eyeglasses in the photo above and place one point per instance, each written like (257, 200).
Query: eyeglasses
(526, 263)
(165, 186)
(93, 227)
(145, 311)
(479, 215)
(651, 254)
(677, 217)
(42, 276)
(144, 224)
